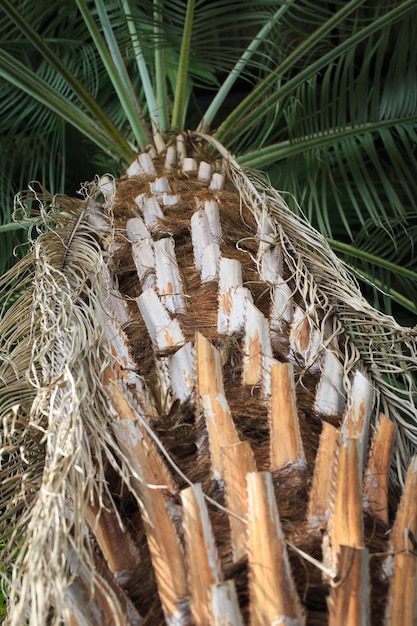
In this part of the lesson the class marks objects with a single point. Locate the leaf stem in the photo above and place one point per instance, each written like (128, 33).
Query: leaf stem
(396, 296)
(350, 250)
(160, 69)
(116, 69)
(10, 226)
(284, 149)
(221, 94)
(142, 67)
(178, 114)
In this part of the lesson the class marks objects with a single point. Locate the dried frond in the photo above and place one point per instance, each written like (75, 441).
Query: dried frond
(55, 414)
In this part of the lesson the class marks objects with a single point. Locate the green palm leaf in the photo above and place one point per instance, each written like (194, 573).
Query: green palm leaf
(328, 109)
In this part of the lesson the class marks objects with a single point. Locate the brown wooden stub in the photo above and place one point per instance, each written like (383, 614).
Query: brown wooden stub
(208, 366)
(285, 441)
(377, 471)
(346, 518)
(358, 413)
(321, 485)
(108, 533)
(221, 430)
(203, 564)
(349, 596)
(106, 609)
(257, 349)
(163, 541)
(401, 608)
(253, 370)
(239, 460)
(406, 519)
(271, 588)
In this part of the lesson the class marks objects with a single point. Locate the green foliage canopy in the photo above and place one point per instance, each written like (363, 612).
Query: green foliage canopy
(323, 97)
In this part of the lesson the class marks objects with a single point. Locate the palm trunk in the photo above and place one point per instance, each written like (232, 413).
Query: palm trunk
(258, 490)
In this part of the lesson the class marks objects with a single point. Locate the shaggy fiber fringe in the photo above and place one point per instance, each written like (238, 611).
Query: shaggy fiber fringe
(55, 436)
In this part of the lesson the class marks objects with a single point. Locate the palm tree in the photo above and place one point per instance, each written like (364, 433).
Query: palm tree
(195, 395)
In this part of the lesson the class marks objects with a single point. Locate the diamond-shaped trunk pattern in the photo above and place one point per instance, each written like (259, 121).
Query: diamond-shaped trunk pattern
(264, 492)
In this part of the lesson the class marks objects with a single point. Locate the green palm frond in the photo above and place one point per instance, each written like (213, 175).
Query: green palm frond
(340, 130)
(383, 255)
(322, 97)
